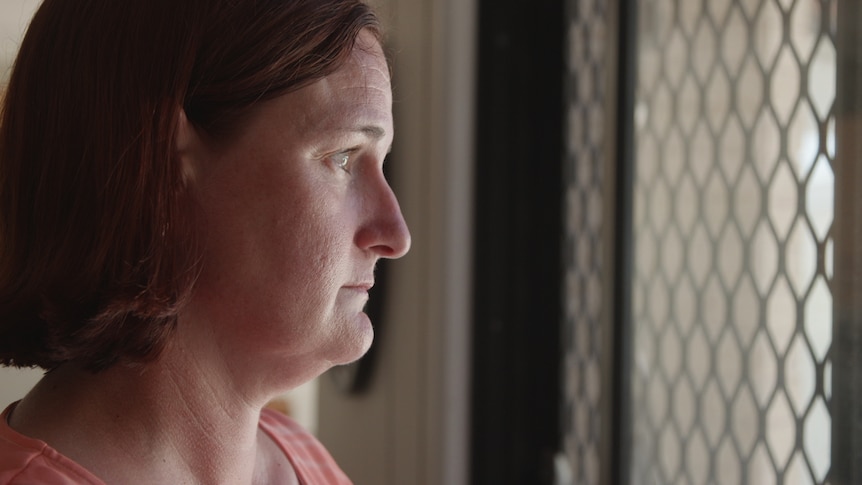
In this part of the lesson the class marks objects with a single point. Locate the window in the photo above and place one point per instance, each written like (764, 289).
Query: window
(721, 367)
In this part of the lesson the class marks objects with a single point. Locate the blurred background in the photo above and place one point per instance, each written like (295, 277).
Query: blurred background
(634, 255)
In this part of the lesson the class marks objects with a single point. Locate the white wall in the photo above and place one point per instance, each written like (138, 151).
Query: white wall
(14, 383)
(14, 16)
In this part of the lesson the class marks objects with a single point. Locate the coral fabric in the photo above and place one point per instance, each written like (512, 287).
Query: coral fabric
(313, 464)
(28, 461)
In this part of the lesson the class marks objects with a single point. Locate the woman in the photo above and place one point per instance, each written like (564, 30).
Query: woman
(192, 204)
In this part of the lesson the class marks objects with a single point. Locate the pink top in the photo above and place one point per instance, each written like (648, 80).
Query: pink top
(26, 460)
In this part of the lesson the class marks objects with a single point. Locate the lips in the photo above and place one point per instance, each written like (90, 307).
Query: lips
(361, 286)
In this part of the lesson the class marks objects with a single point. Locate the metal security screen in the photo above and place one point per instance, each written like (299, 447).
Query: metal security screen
(733, 200)
(587, 81)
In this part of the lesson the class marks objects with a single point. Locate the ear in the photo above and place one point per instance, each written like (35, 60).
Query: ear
(188, 146)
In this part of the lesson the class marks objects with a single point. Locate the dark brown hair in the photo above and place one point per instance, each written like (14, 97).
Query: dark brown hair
(96, 252)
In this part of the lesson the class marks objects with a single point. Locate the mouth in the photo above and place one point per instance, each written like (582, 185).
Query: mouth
(364, 287)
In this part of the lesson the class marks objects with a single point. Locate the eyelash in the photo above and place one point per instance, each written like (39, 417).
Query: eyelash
(344, 159)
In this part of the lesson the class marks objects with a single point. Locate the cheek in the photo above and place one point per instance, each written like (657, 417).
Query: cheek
(306, 251)
(277, 235)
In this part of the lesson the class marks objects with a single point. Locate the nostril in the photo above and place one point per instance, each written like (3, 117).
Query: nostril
(402, 244)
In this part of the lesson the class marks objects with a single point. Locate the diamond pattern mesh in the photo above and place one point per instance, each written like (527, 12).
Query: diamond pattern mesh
(732, 250)
(587, 79)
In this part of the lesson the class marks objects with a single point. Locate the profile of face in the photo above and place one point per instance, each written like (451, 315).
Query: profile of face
(296, 212)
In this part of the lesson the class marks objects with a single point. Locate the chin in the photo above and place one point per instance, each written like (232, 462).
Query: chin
(356, 343)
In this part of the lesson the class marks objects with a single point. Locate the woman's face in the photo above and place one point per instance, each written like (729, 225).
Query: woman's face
(296, 214)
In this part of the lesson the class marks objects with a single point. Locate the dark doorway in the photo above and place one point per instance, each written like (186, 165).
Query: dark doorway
(518, 295)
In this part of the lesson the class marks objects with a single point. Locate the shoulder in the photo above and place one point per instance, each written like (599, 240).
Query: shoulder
(313, 464)
(25, 460)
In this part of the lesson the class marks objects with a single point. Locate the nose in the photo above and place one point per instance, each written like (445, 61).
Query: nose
(384, 231)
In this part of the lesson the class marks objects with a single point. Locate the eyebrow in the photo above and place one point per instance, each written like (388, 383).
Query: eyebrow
(374, 132)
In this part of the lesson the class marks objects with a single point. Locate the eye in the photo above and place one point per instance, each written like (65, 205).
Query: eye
(342, 160)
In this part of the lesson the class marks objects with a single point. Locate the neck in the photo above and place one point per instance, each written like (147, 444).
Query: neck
(168, 422)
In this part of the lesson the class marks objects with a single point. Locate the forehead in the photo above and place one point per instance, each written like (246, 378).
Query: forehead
(354, 98)
(357, 92)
